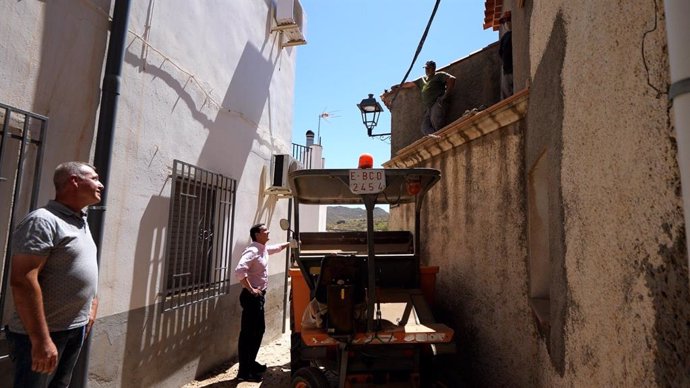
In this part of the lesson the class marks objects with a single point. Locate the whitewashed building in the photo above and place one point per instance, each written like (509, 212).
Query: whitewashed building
(205, 100)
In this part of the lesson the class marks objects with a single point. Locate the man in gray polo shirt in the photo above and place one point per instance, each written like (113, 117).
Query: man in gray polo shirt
(54, 279)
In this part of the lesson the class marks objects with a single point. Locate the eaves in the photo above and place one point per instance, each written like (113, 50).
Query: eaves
(463, 130)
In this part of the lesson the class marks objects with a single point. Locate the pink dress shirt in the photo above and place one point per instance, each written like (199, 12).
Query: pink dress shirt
(253, 264)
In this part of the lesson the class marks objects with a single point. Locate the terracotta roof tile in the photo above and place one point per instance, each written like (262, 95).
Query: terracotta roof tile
(492, 12)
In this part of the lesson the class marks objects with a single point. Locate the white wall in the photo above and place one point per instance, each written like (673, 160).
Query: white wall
(205, 82)
(51, 61)
(313, 217)
(212, 88)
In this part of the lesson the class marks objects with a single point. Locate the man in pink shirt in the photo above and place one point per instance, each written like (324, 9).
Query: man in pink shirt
(252, 273)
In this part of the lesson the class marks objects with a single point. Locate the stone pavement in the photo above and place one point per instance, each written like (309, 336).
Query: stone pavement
(275, 355)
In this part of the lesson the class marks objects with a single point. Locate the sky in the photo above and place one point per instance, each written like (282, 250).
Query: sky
(357, 47)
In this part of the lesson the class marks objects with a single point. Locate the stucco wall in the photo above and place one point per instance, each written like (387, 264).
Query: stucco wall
(625, 270)
(473, 228)
(598, 76)
(150, 348)
(53, 53)
(51, 61)
(206, 83)
(214, 94)
(544, 139)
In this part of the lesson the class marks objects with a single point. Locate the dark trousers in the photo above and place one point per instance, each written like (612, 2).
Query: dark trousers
(434, 117)
(252, 330)
(68, 343)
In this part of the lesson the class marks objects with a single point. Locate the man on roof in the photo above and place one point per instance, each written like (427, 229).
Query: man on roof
(435, 88)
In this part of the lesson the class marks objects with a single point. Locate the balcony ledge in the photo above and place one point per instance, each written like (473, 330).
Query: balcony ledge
(463, 130)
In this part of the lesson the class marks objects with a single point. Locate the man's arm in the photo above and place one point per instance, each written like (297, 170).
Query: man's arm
(277, 247)
(450, 84)
(245, 284)
(404, 85)
(386, 95)
(241, 270)
(28, 301)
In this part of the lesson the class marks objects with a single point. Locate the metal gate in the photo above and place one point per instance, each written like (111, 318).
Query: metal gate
(22, 137)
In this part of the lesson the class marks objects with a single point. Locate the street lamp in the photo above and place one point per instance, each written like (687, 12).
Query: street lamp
(371, 110)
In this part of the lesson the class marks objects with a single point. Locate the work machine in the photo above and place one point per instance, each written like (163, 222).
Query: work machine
(360, 311)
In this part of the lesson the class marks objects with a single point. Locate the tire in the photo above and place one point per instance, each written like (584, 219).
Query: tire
(296, 361)
(309, 377)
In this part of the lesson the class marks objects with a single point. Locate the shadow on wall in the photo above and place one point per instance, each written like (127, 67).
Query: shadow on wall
(249, 88)
(68, 81)
(670, 289)
(247, 96)
(544, 136)
(172, 77)
(159, 344)
(266, 204)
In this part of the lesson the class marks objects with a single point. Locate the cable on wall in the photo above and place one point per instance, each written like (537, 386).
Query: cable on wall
(208, 98)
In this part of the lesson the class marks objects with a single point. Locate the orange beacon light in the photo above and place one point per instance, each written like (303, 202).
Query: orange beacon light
(366, 161)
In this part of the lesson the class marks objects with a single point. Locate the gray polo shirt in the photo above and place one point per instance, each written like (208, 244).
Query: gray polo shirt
(69, 279)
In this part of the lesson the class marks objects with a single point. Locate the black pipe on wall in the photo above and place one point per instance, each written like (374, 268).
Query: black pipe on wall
(110, 91)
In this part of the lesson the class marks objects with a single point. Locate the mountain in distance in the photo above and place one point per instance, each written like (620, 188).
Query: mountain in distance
(344, 218)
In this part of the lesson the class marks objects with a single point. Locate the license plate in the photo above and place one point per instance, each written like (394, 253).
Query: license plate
(367, 181)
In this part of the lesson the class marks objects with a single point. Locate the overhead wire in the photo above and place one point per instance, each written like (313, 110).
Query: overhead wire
(419, 48)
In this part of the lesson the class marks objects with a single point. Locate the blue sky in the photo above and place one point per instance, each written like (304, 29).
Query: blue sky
(356, 47)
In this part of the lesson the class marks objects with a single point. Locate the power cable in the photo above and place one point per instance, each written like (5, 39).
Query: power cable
(419, 49)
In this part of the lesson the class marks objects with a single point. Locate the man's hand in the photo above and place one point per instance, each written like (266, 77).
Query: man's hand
(247, 286)
(92, 316)
(28, 301)
(255, 291)
(44, 356)
(404, 85)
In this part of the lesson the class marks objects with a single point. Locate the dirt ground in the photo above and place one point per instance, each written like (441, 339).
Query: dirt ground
(275, 355)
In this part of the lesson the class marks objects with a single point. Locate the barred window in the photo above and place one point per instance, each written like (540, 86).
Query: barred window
(200, 229)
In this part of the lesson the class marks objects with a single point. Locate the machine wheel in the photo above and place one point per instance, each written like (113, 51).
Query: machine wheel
(296, 361)
(309, 377)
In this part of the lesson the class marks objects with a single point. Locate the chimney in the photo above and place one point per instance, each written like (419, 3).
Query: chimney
(310, 138)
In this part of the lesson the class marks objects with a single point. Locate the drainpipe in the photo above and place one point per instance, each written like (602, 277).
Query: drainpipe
(678, 29)
(110, 92)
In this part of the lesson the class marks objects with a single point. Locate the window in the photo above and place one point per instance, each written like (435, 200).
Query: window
(22, 142)
(200, 229)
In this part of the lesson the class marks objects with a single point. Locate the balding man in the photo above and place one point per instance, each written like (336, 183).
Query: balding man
(54, 279)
